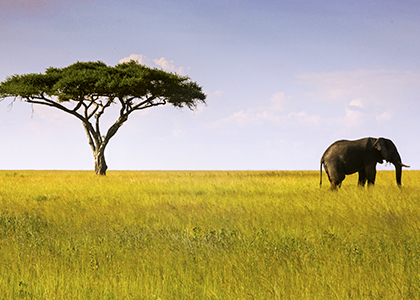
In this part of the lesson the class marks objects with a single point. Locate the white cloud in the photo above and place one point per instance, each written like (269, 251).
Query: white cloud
(169, 65)
(386, 116)
(218, 93)
(353, 118)
(163, 63)
(357, 103)
(137, 57)
(335, 93)
(303, 117)
(199, 109)
(240, 118)
(178, 133)
(213, 94)
(259, 113)
(361, 96)
(277, 101)
(274, 111)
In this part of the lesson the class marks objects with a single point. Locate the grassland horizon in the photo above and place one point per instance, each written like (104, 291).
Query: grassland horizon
(207, 235)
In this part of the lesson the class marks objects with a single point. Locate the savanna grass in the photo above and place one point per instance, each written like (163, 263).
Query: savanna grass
(207, 235)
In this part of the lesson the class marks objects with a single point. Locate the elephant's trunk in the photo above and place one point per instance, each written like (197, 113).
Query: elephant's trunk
(398, 170)
(396, 160)
(398, 173)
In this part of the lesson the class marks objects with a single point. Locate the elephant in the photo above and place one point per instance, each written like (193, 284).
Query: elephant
(347, 157)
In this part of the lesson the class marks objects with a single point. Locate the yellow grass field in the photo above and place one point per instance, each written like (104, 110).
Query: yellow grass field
(207, 235)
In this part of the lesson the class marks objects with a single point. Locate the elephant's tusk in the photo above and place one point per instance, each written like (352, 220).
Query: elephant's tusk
(402, 165)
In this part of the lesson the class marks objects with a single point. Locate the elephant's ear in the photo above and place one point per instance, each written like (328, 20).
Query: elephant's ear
(380, 145)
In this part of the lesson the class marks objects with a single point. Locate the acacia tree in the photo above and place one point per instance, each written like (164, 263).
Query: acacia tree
(86, 89)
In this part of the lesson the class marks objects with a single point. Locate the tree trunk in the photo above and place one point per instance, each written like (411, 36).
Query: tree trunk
(100, 164)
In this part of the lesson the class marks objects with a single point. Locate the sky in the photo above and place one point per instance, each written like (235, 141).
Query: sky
(284, 80)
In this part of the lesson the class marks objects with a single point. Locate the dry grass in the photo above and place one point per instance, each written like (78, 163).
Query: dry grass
(207, 235)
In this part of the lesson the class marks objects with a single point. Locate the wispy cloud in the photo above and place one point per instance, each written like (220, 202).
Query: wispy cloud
(259, 113)
(357, 104)
(362, 95)
(169, 65)
(274, 111)
(137, 57)
(163, 63)
(346, 99)
(304, 118)
(386, 116)
(353, 118)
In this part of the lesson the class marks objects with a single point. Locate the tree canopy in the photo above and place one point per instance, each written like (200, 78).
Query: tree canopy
(86, 89)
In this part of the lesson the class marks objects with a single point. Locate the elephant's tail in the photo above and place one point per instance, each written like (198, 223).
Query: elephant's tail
(320, 173)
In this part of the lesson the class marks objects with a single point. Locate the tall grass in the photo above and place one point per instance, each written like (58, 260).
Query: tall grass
(207, 235)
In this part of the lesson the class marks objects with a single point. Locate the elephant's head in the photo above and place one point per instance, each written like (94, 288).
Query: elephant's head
(388, 151)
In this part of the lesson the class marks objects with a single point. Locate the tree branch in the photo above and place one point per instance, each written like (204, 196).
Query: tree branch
(100, 113)
(90, 139)
(45, 101)
(149, 102)
(87, 107)
(123, 106)
(76, 108)
(114, 128)
(94, 138)
(10, 106)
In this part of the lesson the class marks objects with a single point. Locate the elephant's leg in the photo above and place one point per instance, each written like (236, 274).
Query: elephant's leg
(333, 182)
(362, 178)
(334, 186)
(371, 174)
(336, 176)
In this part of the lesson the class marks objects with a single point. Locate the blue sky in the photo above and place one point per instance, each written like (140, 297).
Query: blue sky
(284, 80)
